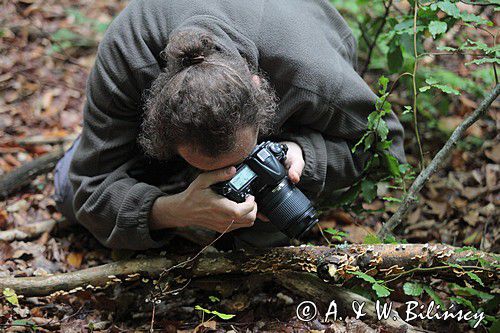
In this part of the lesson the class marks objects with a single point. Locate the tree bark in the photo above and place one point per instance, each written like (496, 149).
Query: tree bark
(330, 264)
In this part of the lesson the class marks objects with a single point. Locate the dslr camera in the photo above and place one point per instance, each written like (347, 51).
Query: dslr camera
(264, 176)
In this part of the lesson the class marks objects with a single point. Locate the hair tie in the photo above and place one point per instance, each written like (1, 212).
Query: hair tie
(188, 61)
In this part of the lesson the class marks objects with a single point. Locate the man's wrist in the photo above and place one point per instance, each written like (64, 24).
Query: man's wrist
(162, 213)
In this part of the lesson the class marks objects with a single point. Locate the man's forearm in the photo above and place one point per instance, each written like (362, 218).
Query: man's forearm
(162, 213)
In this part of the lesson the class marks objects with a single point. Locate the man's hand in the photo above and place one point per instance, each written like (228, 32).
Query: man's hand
(294, 161)
(199, 205)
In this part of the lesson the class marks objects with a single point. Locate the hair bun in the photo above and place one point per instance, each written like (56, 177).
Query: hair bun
(186, 62)
(186, 48)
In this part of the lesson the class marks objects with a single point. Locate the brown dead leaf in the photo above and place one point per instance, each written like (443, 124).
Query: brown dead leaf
(493, 154)
(206, 326)
(491, 174)
(3, 219)
(75, 259)
(5, 251)
(472, 218)
(448, 125)
(357, 233)
(438, 208)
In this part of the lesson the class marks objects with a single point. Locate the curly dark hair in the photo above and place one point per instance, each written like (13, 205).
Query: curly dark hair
(202, 98)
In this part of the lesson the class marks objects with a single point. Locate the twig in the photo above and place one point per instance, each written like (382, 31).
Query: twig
(411, 197)
(414, 83)
(27, 172)
(27, 231)
(375, 38)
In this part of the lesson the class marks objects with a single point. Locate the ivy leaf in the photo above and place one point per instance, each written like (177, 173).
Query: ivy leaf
(413, 289)
(476, 278)
(369, 190)
(437, 27)
(11, 296)
(381, 290)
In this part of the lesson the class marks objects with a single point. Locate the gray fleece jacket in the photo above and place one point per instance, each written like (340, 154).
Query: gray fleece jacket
(305, 48)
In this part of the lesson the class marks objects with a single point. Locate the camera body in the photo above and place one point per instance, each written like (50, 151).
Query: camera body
(264, 176)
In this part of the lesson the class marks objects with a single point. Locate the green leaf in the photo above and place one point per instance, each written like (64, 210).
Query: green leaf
(11, 296)
(369, 141)
(392, 199)
(437, 27)
(413, 289)
(395, 58)
(408, 109)
(483, 61)
(369, 190)
(448, 7)
(465, 248)
(476, 278)
(424, 88)
(372, 239)
(23, 322)
(434, 296)
(392, 164)
(336, 234)
(383, 81)
(381, 290)
(382, 130)
(468, 291)
(363, 276)
(463, 301)
(223, 316)
(446, 89)
(454, 265)
(214, 299)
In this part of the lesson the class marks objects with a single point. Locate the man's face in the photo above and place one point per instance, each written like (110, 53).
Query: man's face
(246, 141)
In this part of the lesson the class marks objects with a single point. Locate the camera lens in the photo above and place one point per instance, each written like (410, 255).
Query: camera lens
(288, 209)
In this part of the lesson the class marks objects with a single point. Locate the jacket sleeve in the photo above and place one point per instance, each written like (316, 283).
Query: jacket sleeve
(327, 131)
(108, 201)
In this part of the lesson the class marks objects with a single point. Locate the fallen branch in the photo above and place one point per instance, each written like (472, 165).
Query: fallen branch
(23, 175)
(332, 264)
(411, 197)
(310, 286)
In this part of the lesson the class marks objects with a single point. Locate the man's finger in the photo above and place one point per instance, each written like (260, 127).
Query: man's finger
(207, 179)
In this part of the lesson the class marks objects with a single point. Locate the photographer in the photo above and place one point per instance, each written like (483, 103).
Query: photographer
(179, 84)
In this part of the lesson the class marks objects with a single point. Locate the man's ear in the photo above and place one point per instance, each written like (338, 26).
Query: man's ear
(256, 80)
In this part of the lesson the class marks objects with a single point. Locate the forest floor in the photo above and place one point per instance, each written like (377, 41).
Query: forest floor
(46, 51)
